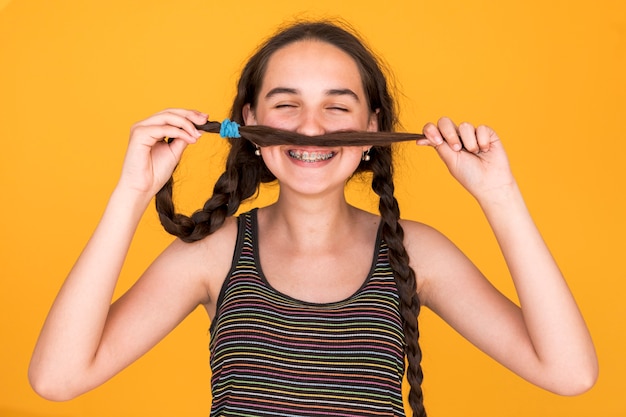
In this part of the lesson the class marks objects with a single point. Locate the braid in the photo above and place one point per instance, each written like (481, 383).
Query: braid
(243, 174)
(393, 234)
(245, 171)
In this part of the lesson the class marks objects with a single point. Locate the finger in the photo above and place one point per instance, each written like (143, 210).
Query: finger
(181, 122)
(195, 116)
(156, 117)
(181, 118)
(468, 137)
(449, 132)
(485, 137)
(177, 147)
(433, 136)
(448, 155)
(159, 133)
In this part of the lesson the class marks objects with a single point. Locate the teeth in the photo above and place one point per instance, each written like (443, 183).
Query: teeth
(311, 156)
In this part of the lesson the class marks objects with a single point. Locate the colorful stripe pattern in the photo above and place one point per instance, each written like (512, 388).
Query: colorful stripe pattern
(272, 355)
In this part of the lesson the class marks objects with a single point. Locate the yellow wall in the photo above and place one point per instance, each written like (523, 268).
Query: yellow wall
(548, 75)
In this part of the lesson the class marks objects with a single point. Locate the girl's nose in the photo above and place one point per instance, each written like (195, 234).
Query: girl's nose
(311, 125)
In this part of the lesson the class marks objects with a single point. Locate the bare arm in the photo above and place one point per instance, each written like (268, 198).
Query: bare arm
(545, 340)
(85, 340)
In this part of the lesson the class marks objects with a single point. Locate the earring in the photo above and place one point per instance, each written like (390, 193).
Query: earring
(257, 152)
(366, 156)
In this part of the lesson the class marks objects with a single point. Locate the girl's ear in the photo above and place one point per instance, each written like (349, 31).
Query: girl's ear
(372, 126)
(248, 115)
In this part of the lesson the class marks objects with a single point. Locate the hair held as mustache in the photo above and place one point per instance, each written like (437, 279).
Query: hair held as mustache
(267, 136)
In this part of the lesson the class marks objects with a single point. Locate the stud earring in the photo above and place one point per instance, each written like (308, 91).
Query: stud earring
(366, 156)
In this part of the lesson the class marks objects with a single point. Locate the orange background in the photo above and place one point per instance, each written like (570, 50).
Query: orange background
(547, 75)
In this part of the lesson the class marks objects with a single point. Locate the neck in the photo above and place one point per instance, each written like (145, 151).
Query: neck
(309, 223)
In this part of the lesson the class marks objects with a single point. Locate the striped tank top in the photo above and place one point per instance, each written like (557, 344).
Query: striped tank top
(273, 355)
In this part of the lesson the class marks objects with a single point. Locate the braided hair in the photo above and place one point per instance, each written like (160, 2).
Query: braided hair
(245, 172)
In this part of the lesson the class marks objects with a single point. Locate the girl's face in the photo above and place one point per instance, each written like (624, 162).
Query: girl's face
(312, 87)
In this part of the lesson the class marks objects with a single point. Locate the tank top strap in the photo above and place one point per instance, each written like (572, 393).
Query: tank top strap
(244, 253)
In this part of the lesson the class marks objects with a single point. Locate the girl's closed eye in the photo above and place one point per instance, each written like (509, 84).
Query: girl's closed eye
(339, 108)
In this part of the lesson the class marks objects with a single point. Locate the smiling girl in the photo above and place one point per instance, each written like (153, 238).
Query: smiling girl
(313, 302)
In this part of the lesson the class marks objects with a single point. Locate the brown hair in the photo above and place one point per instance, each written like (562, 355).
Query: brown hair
(268, 136)
(245, 171)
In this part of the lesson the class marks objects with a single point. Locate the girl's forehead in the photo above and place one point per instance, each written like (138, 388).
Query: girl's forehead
(309, 61)
(312, 49)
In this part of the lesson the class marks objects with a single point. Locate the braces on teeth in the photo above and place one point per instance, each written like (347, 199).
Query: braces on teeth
(311, 156)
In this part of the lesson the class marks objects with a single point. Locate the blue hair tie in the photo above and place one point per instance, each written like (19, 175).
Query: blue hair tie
(229, 129)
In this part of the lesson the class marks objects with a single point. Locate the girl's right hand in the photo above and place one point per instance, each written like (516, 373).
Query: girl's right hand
(150, 160)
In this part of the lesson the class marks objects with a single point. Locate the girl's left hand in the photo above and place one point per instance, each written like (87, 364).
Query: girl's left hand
(474, 155)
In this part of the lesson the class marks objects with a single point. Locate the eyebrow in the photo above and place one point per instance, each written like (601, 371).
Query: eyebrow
(281, 90)
(331, 92)
(343, 92)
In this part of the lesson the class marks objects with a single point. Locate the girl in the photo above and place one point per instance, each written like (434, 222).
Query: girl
(300, 324)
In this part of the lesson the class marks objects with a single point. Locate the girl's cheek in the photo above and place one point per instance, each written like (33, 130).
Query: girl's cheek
(277, 121)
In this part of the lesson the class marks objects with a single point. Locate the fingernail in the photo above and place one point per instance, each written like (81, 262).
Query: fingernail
(457, 147)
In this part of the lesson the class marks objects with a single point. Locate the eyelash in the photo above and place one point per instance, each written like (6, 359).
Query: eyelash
(283, 106)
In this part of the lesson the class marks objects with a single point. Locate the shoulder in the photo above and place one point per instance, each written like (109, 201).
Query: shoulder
(420, 237)
(435, 259)
(208, 260)
(424, 243)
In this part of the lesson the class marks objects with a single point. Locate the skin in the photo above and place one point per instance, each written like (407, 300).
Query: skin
(312, 87)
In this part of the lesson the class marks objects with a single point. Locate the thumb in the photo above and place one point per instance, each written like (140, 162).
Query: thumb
(177, 147)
